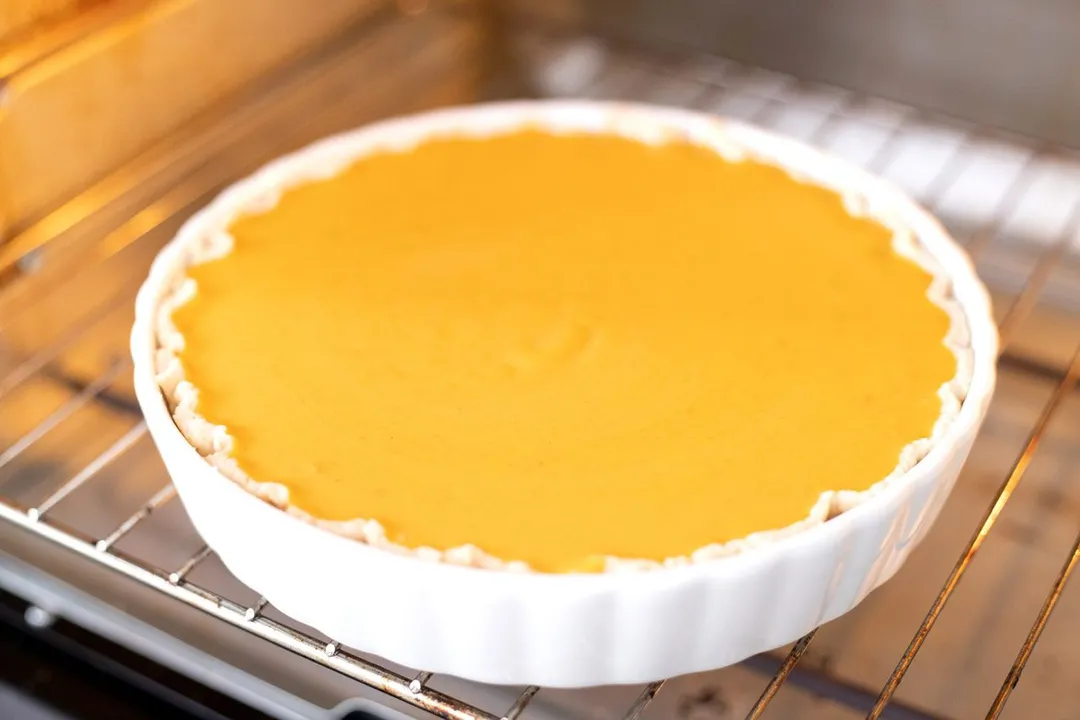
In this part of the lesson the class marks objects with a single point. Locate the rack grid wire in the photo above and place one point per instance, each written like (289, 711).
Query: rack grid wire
(20, 260)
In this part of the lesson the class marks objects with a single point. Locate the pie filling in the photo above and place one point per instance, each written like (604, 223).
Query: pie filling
(564, 348)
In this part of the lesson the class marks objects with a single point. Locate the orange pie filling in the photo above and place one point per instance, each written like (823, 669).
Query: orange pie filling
(563, 349)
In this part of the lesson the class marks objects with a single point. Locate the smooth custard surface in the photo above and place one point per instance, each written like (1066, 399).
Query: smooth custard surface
(560, 348)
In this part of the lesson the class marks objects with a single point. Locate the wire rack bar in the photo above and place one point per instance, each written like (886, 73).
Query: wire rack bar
(1064, 388)
(890, 148)
(63, 412)
(160, 498)
(255, 610)
(95, 466)
(951, 171)
(1028, 647)
(833, 119)
(781, 676)
(643, 700)
(26, 370)
(1047, 263)
(203, 553)
(828, 128)
(1010, 201)
(769, 110)
(521, 703)
(416, 685)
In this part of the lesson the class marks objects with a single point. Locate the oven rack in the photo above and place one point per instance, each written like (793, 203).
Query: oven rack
(23, 254)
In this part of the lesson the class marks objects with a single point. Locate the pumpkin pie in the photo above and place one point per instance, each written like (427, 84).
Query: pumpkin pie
(560, 351)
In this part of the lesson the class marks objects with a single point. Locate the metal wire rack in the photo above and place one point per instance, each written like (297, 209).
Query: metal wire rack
(39, 262)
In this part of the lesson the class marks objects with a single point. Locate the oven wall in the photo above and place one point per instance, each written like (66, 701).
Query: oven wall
(1013, 64)
(84, 94)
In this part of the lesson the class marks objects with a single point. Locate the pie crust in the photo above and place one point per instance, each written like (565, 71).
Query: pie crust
(261, 194)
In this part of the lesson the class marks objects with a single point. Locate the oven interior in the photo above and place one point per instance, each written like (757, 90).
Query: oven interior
(119, 118)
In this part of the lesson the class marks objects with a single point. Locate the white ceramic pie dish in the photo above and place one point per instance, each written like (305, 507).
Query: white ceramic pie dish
(568, 630)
